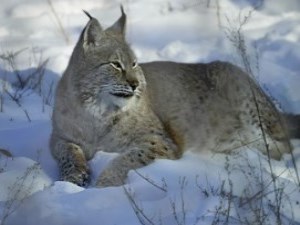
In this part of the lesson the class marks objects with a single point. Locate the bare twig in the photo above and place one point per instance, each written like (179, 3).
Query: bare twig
(208, 3)
(17, 101)
(1, 102)
(49, 96)
(19, 191)
(237, 38)
(59, 23)
(142, 217)
(23, 83)
(218, 13)
(150, 181)
(180, 220)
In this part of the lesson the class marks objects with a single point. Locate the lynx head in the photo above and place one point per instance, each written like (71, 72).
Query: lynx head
(103, 68)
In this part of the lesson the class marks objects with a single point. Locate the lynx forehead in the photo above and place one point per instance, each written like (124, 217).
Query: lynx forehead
(107, 101)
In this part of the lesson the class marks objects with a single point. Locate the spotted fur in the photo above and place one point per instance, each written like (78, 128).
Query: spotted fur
(105, 101)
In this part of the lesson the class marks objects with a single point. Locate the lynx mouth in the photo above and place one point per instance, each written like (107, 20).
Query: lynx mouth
(123, 93)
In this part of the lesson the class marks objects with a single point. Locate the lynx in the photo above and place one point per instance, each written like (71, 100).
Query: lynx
(106, 101)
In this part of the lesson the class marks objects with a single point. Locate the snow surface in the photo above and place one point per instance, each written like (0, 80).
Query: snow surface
(197, 189)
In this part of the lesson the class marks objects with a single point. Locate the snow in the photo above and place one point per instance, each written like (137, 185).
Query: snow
(196, 189)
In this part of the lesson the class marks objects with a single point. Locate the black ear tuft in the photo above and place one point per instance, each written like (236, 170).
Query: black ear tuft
(120, 25)
(89, 15)
(122, 10)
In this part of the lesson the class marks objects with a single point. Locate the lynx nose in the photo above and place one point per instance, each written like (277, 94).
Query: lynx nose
(133, 84)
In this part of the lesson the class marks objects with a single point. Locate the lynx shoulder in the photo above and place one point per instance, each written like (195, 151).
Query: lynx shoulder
(106, 101)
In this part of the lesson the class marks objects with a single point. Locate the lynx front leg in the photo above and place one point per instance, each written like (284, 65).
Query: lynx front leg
(116, 172)
(71, 161)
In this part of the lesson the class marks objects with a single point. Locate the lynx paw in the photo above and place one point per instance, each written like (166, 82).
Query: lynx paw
(73, 166)
(81, 177)
(110, 178)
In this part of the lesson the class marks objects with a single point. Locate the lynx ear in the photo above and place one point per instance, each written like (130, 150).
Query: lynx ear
(92, 32)
(120, 25)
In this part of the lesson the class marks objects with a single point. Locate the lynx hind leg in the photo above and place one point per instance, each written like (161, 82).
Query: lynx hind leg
(258, 114)
(276, 137)
(275, 129)
(116, 172)
(72, 163)
(278, 148)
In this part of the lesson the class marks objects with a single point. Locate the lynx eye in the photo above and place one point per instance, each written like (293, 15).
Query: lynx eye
(117, 65)
(134, 64)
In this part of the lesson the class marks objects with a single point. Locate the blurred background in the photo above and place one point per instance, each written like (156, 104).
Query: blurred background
(177, 30)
